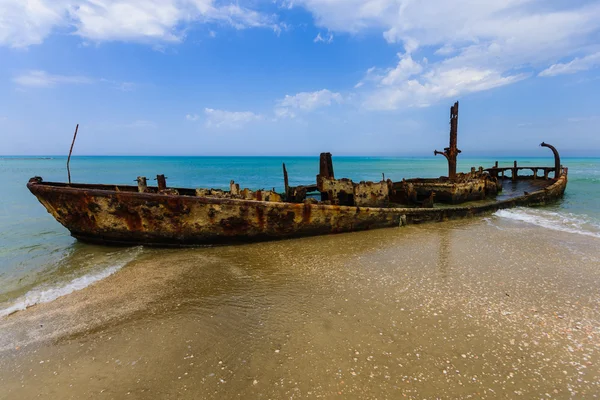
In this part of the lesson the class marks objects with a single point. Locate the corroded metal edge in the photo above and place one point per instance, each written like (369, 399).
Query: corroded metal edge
(96, 214)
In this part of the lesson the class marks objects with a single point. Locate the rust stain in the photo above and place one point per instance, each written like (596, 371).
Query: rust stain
(260, 214)
(306, 212)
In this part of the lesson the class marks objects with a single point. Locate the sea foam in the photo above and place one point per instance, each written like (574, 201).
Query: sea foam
(558, 221)
(48, 294)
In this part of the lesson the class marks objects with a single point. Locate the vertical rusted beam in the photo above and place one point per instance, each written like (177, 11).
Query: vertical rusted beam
(494, 170)
(71, 151)
(515, 172)
(234, 188)
(556, 159)
(326, 166)
(162, 182)
(142, 184)
(325, 172)
(286, 182)
(330, 165)
(452, 152)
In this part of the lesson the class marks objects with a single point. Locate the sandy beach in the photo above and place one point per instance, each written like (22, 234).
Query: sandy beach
(487, 308)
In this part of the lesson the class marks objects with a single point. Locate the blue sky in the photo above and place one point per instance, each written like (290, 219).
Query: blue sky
(297, 77)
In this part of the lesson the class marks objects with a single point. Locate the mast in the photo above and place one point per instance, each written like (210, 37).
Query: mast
(452, 152)
(71, 151)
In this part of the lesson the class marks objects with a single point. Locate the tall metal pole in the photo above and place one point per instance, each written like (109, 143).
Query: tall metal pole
(71, 151)
(286, 182)
(452, 152)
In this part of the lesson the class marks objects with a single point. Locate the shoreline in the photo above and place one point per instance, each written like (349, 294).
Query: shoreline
(302, 316)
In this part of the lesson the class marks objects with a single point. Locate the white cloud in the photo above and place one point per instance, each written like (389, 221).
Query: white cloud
(445, 50)
(284, 113)
(241, 18)
(434, 85)
(229, 119)
(459, 21)
(405, 69)
(306, 101)
(28, 22)
(419, 84)
(192, 117)
(42, 79)
(576, 65)
(328, 39)
(311, 100)
(126, 20)
(479, 44)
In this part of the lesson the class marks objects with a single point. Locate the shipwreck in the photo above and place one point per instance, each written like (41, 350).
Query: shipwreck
(164, 216)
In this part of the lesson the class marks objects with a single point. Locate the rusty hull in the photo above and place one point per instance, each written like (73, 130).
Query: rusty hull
(121, 215)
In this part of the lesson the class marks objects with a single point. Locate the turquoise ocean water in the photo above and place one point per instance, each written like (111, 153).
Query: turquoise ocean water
(39, 261)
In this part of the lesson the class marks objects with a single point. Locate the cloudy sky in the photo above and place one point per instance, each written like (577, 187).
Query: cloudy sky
(297, 77)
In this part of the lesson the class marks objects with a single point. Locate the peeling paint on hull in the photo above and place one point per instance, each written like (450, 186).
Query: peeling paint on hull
(103, 214)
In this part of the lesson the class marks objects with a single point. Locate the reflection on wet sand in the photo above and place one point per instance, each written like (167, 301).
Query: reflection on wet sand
(461, 310)
(444, 254)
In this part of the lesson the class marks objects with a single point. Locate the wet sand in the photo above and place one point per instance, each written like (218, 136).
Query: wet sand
(476, 309)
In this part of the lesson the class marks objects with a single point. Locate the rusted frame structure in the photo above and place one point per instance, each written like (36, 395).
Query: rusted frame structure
(499, 172)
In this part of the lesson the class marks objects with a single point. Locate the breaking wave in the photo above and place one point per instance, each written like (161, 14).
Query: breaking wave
(558, 221)
(47, 294)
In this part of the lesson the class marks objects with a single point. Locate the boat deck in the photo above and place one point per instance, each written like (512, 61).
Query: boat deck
(510, 190)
